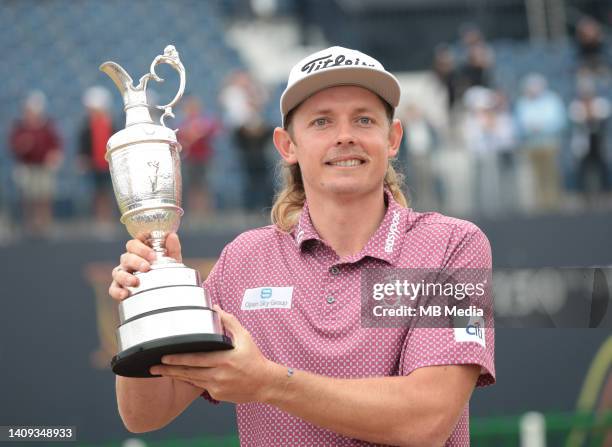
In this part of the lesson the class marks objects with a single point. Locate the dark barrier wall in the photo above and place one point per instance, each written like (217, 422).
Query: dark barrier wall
(56, 331)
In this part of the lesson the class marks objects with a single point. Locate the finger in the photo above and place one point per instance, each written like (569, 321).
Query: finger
(132, 263)
(125, 279)
(182, 372)
(173, 245)
(141, 249)
(117, 292)
(230, 323)
(197, 359)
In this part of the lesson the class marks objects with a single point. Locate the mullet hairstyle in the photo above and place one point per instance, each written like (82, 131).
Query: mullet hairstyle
(289, 201)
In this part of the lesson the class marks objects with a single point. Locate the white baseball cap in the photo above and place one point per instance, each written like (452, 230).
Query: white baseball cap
(337, 66)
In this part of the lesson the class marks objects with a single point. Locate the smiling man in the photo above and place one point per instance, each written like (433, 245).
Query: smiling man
(304, 371)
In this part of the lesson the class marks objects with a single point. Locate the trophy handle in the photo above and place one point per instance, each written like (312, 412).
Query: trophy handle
(170, 57)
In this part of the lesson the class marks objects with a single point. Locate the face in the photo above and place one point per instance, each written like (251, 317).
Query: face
(342, 140)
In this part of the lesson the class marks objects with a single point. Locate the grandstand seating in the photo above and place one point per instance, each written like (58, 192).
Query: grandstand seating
(56, 46)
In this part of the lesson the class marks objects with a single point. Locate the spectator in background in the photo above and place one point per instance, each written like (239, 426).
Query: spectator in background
(490, 136)
(196, 136)
(37, 148)
(478, 58)
(254, 139)
(445, 70)
(541, 119)
(476, 71)
(589, 114)
(591, 48)
(420, 142)
(96, 129)
(471, 35)
(243, 100)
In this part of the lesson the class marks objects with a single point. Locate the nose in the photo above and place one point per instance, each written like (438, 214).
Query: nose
(345, 135)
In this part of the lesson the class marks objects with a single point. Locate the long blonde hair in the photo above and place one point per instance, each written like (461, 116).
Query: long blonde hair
(290, 199)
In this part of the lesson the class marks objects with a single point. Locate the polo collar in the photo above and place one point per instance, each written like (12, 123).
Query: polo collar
(305, 230)
(385, 244)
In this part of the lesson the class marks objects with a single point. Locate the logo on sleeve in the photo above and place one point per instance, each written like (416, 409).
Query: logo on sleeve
(474, 331)
(267, 298)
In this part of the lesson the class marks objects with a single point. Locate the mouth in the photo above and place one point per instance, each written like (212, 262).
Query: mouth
(347, 163)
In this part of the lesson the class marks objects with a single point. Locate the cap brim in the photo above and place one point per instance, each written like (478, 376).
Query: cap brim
(380, 82)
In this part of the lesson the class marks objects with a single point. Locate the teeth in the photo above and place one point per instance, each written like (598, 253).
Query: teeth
(347, 163)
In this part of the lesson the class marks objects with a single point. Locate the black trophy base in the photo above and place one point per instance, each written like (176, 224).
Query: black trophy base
(137, 360)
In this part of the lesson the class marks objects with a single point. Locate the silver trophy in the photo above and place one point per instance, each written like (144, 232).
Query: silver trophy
(169, 312)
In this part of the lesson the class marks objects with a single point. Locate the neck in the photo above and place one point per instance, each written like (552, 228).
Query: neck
(347, 223)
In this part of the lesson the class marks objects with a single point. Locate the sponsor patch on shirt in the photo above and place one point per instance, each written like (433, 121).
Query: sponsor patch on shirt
(474, 331)
(267, 298)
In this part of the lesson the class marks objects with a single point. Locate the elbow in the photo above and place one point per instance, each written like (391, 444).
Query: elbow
(432, 433)
(138, 427)
(140, 423)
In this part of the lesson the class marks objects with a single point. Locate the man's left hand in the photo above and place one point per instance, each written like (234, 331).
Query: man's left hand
(238, 375)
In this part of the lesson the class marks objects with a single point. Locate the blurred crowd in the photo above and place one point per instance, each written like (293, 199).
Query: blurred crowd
(491, 152)
(37, 151)
(494, 152)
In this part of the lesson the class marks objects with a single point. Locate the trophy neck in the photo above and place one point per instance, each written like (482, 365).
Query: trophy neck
(158, 245)
(137, 114)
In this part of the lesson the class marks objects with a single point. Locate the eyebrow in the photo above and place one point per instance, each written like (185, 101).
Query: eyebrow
(330, 111)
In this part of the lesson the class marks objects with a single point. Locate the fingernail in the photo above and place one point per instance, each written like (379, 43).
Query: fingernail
(144, 266)
(154, 370)
(152, 256)
(134, 281)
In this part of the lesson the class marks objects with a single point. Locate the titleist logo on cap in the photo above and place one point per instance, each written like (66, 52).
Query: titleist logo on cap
(327, 62)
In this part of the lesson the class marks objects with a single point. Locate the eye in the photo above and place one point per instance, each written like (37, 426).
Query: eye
(365, 121)
(320, 122)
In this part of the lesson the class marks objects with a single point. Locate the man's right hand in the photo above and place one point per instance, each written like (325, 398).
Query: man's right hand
(138, 258)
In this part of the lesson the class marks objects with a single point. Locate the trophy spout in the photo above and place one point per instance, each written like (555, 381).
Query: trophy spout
(120, 77)
(134, 98)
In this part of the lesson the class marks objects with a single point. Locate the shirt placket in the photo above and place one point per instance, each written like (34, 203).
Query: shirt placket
(332, 290)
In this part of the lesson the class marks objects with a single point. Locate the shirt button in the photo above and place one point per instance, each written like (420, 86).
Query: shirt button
(330, 300)
(334, 270)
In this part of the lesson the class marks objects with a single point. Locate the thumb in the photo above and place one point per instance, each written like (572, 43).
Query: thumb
(173, 245)
(230, 323)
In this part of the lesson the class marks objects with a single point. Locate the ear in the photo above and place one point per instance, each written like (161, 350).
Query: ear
(284, 145)
(395, 137)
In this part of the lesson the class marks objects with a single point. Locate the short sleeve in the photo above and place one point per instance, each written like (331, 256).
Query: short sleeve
(473, 344)
(471, 249)
(445, 346)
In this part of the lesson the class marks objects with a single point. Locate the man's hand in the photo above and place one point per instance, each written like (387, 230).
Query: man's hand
(239, 375)
(138, 258)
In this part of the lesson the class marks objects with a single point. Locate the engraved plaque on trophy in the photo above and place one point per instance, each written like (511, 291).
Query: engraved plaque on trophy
(169, 312)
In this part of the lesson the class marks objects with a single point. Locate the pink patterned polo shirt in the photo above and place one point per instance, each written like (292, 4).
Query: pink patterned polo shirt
(301, 303)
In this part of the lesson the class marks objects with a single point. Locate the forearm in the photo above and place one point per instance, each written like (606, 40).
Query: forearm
(381, 409)
(150, 404)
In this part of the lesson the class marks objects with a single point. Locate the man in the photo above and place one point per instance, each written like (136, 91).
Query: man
(96, 128)
(199, 129)
(303, 371)
(37, 148)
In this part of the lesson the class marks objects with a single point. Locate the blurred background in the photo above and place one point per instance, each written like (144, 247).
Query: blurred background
(506, 108)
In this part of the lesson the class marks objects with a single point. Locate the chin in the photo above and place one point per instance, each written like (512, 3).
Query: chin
(348, 188)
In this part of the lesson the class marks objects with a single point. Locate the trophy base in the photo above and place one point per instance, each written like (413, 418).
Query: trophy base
(137, 360)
